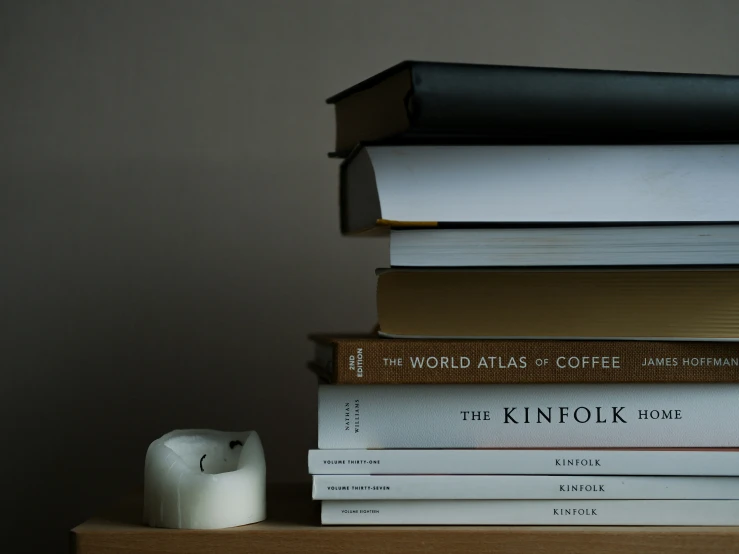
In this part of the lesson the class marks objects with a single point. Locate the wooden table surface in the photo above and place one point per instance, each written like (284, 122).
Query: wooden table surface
(293, 527)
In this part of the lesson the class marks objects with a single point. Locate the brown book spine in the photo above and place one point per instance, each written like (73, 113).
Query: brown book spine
(396, 361)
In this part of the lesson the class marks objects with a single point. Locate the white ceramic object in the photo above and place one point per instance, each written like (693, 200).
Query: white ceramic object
(205, 479)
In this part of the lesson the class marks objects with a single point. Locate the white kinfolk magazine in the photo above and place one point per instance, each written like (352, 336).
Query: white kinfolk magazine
(530, 512)
(533, 416)
(720, 462)
(522, 487)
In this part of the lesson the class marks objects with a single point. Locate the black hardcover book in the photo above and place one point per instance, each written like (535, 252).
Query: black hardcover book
(432, 103)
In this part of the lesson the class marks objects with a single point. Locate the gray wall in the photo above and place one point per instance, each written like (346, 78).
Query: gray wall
(168, 217)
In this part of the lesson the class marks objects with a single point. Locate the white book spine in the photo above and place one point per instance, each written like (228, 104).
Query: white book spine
(519, 487)
(530, 512)
(528, 416)
(524, 462)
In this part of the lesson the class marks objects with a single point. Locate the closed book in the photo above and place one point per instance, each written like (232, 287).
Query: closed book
(385, 187)
(528, 416)
(526, 461)
(417, 102)
(568, 303)
(530, 512)
(522, 487)
(373, 360)
(541, 246)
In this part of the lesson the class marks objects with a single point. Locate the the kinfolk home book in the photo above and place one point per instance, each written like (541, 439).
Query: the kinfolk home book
(517, 416)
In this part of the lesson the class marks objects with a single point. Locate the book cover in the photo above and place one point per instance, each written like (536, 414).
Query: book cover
(425, 102)
(530, 461)
(522, 487)
(562, 303)
(557, 246)
(373, 360)
(530, 512)
(384, 187)
(520, 416)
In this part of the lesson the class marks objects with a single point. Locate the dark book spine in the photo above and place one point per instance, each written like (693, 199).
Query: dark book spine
(396, 361)
(550, 104)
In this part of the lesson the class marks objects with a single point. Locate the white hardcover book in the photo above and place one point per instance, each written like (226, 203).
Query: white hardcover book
(720, 462)
(677, 183)
(522, 487)
(530, 512)
(528, 416)
(566, 246)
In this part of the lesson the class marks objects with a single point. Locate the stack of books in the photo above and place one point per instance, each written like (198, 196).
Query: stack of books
(557, 338)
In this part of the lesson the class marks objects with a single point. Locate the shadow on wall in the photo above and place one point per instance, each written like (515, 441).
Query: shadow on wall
(137, 300)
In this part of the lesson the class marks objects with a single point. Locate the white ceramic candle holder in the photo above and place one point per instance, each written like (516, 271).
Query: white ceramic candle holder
(204, 479)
